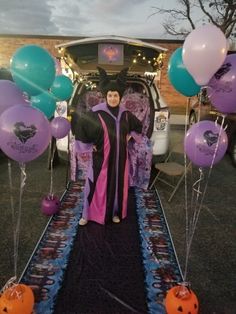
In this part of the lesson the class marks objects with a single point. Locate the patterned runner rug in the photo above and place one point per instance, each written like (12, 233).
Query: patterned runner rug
(116, 268)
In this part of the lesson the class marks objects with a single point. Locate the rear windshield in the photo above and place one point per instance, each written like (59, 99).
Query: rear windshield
(88, 95)
(135, 99)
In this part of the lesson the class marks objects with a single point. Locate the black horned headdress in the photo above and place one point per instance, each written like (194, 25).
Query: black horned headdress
(109, 84)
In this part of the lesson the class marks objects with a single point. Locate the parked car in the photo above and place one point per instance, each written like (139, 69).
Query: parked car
(206, 111)
(142, 96)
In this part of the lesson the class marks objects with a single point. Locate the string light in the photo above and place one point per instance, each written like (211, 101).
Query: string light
(139, 57)
(60, 50)
(155, 62)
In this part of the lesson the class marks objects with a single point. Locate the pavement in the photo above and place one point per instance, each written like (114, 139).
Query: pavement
(212, 262)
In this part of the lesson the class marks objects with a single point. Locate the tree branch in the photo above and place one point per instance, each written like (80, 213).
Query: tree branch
(221, 13)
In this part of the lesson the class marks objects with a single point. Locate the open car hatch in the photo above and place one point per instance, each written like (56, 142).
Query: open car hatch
(113, 53)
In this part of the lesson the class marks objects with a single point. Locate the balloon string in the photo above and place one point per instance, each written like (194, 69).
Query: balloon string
(17, 231)
(11, 282)
(51, 178)
(185, 179)
(191, 222)
(201, 97)
(12, 210)
(198, 193)
(51, 167)
(197, 211)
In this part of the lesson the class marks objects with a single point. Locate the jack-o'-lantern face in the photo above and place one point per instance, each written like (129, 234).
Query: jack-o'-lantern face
(181, 300)
(18, 299)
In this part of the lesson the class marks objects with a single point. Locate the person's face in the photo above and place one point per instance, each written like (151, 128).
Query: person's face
(113, 98)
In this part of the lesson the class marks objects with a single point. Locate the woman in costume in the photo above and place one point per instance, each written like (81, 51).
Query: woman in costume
(105, 131)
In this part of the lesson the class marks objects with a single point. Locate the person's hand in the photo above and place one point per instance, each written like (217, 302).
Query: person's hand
(94, 148)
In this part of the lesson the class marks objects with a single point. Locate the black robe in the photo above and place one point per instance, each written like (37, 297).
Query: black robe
(106, 135)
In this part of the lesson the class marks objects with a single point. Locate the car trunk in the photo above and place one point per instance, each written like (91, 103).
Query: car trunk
(113, 53)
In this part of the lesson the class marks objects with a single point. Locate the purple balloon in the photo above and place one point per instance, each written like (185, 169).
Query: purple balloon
(24, 133)
(60, 127)
(10, 95)
(222, 86)
(201, 141)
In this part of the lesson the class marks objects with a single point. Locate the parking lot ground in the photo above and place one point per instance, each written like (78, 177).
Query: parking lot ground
(212, 262)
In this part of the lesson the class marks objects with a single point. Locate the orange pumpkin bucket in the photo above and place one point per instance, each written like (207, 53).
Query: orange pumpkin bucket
(181, 300)
(18, 299)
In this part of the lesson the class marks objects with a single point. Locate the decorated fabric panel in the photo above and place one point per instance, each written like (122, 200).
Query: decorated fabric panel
(93, 98)
(45, 270)
(161, 266)
(140, 159)
(140, 154)
(138, 104)
(79, 163)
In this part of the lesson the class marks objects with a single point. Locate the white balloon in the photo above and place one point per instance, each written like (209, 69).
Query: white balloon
(204, 51)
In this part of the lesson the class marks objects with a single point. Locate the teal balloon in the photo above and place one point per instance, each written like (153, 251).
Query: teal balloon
(44, 102)
(33, 69)
(62, 87)
(179, 77)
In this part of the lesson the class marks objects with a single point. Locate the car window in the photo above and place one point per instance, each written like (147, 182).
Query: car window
(136, 87)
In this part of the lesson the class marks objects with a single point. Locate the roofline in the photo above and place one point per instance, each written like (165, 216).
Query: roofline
(58, 37)
(113, 38)
(82, 37)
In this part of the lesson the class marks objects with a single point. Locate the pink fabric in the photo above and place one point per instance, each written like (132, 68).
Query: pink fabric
(97, 208)
(125, 188)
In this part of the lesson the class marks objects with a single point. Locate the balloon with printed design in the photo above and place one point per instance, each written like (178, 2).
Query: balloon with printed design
(24, 133)
(205, 143)
(222, 86)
